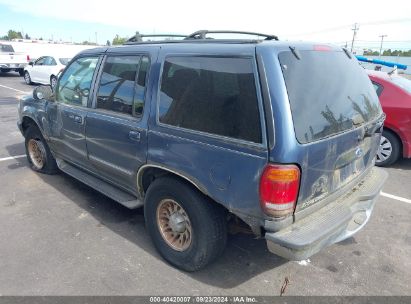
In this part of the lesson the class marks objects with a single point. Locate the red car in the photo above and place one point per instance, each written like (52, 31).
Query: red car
(395, 96)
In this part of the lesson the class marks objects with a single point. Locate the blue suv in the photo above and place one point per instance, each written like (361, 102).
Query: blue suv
(281, 135)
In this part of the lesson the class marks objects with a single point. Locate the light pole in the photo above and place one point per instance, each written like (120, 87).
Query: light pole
(355, 29)
(382, 39)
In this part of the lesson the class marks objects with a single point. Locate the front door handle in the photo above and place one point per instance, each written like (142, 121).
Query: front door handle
(76, 118)
(134, 135)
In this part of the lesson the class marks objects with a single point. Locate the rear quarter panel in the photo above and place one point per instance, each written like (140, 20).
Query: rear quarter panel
(396, 105)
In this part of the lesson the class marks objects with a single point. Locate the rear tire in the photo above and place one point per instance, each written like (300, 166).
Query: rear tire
(38, 152)
(188, 229)
(27, 78)
(389, 150)
(21, 72)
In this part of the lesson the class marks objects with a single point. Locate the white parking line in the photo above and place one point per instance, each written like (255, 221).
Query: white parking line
(12, 157)
(14, 89)
(398, 198)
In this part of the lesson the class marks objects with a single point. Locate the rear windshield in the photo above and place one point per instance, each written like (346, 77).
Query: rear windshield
(64, 61)
(405, 84)
(6, 48)
(328, 93)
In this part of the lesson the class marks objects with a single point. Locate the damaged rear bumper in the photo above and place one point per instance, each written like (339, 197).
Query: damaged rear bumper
(331, 224)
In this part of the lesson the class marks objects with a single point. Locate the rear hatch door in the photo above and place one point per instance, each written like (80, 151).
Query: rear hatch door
(337, 119)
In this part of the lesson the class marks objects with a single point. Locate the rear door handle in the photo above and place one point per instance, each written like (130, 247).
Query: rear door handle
(78, 119)
(134, 135)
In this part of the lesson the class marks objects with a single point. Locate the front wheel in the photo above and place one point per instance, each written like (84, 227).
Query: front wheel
(27, 78)
(389, 150)
(38, 153)
(53, 82)
(188, 229)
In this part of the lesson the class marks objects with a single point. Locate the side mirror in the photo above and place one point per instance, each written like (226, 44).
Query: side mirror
(43, 92)
(31, 63)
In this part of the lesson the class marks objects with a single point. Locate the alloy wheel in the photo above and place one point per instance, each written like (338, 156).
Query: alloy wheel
(174, 225)
(384, 150)
(37, 153)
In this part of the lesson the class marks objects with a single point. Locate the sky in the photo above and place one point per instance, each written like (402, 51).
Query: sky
(310, 20)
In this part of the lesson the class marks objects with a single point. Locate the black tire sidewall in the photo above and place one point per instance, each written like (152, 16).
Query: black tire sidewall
(194, 257)
(50, 166)
(28, 74)
(396, 149)
(51, 81)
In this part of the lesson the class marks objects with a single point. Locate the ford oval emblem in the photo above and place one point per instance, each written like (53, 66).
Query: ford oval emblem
(358, 152)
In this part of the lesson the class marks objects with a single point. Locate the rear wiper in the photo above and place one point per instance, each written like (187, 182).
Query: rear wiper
(295, 52)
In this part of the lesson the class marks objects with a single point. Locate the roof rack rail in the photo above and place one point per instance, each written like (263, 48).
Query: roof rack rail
(139, 37)
(202, 34)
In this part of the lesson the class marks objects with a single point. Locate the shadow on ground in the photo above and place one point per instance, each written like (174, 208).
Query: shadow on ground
(403, 164)
(10, 74)
(17, 149)
(244, 258)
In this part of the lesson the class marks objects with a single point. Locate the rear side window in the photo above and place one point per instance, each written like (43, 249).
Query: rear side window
(122, 84)
(377, 87)
(50, 61)
(64, 61)
(212, 95)
(327, 93)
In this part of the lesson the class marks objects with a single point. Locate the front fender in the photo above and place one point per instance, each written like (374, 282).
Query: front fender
(34, 111)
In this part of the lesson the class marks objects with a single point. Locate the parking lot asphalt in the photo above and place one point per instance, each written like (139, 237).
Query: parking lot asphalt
(60, 237)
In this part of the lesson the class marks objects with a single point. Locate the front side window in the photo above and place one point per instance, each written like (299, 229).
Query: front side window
(50, 61)
(40, 61)
(74, 85)
(212, 95)
(121, 89)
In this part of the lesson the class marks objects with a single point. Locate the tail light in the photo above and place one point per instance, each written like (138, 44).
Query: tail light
(279, 185)
(28, 58)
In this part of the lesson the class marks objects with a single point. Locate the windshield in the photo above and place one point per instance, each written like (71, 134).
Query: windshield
(329, 93)
(64, 61)
(405, 84)
(6, 48)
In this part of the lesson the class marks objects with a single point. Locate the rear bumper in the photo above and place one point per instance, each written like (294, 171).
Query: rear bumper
(331, 224)
(13, 66)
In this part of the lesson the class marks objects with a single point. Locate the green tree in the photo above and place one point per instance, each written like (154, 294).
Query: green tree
(11, 34)
(108, 43)
(27, 36)
(85, 42)
(119, 40)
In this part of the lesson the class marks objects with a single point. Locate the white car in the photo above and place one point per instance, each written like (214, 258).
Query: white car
(44, 70)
